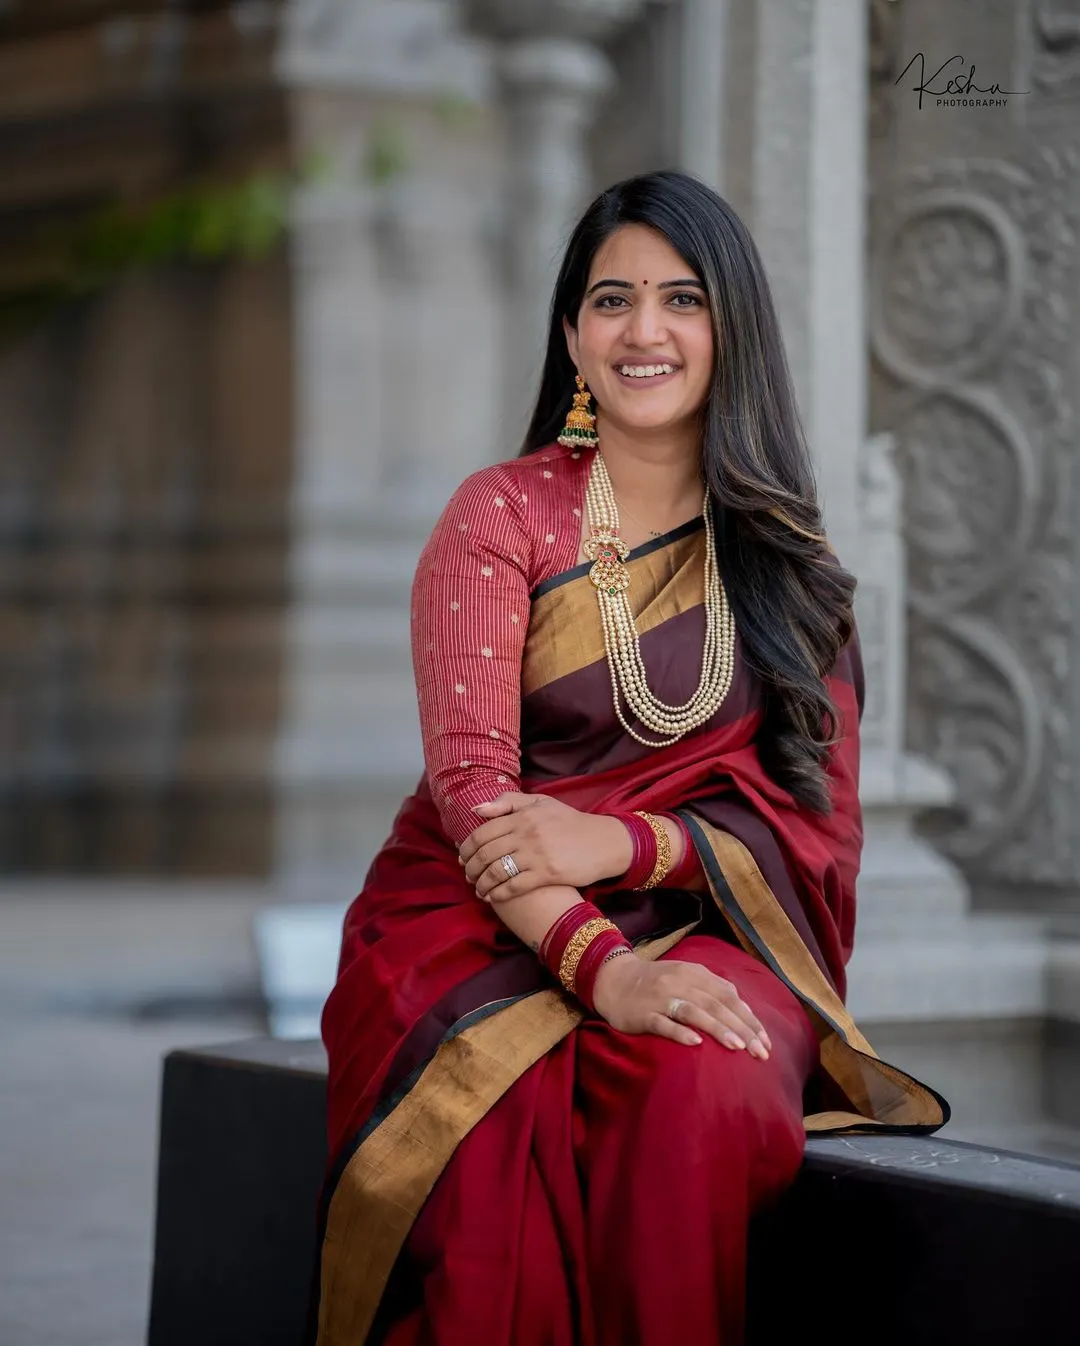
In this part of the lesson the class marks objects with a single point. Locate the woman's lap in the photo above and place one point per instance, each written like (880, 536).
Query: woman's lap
(605, 1197)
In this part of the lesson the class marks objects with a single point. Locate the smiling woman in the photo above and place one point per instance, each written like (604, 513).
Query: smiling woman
(649, 335)
(553, 1110)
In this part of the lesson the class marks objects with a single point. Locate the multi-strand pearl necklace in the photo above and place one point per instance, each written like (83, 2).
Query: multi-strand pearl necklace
(607, 550)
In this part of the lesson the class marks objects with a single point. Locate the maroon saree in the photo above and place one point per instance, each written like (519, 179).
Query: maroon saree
(507, 1169)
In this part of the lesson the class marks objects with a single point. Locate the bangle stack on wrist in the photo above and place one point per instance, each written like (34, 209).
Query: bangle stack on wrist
(684, 871)
(578, 943)
(651, 863)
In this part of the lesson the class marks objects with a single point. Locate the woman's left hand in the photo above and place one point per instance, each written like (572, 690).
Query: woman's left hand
(551, 843)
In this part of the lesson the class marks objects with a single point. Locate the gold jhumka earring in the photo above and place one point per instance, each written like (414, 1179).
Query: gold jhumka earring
(580, 428)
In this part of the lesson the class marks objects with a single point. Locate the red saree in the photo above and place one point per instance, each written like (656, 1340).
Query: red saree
(508, 1171)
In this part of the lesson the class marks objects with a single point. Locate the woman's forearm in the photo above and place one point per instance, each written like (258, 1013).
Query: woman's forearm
(530, 917)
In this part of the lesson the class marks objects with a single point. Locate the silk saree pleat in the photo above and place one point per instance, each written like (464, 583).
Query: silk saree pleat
(439, 1009)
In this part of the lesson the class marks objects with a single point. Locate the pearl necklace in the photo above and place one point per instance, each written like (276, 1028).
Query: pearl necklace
(611, 579)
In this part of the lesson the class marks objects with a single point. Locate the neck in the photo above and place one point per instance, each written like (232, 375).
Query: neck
(660, 470)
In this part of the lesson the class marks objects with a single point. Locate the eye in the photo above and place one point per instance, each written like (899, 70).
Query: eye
(601, 302)
(695, 299)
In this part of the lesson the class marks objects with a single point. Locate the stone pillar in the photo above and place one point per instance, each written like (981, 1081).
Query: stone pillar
(800, 183)
(926, 977)
(552, 76)
(702, 114)
(395, 340)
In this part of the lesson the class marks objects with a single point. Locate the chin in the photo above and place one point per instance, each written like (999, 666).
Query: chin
(636, 419)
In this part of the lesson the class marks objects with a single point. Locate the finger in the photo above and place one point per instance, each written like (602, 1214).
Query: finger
(714, 1027)
(496, 885)
(493, 848)
(737, 1024)
(727, 993)
(485, 835)
(663, 1027)
(504, 803)
(720, 1024)
(743, 1012)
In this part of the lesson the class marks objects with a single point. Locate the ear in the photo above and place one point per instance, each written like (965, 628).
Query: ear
(571, 335)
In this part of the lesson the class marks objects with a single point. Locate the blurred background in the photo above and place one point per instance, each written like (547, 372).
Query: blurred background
(273, 280)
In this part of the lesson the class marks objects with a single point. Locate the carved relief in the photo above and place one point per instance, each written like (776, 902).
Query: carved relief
(973, 266)
(1056, 64)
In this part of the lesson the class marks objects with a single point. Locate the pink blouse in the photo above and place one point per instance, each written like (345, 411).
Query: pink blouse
(505, 529)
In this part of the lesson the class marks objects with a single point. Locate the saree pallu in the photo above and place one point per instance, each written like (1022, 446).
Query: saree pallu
(457, 1063)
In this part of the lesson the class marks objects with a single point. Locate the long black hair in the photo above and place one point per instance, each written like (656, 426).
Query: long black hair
(791, 599)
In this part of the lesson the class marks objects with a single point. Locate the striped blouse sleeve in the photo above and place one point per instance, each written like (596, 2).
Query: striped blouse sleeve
(470, 611)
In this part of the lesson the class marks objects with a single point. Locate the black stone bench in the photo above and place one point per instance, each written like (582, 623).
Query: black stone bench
(890, 1240)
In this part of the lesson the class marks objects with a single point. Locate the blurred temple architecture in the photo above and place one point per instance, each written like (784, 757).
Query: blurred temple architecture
(217, 472)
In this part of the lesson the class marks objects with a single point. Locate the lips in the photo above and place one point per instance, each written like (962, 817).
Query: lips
(645, 380)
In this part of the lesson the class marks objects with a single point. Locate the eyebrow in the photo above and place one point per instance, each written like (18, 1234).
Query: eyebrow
(629, 285)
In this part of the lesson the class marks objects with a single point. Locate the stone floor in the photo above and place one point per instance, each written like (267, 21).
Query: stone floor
(95, 986)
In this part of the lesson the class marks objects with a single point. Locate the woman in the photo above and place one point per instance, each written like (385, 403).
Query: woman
(590, 998)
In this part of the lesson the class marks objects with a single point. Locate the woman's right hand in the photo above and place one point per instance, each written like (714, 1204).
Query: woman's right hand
(633, 996)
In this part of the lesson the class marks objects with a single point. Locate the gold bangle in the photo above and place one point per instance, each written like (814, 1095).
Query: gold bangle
(663, 851)
(579, 942)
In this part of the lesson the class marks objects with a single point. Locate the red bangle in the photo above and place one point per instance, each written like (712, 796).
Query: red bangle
(563, 928)
(688, 866)
(553, 945)
(592, 960)
(644, 858)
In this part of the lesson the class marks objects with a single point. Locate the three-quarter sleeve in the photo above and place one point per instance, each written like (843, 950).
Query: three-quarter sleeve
(470, 612)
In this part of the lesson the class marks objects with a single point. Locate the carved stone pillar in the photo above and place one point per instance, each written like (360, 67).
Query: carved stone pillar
(975, 325)
(928, 979)
(552, 76)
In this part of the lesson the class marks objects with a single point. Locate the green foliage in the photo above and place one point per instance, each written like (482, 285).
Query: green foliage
(387, 155)
(198, 224)
(201, 223)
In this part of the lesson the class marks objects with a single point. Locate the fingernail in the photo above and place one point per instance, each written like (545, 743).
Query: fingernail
(695, 1038)
(758, 1049)
(733, 1040)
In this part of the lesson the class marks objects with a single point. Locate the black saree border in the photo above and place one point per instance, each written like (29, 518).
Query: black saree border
(681, 530)
(737, 886)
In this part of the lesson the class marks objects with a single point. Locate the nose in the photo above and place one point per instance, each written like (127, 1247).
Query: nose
(646, 327)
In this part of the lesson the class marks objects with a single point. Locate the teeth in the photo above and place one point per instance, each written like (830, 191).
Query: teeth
(645, 371)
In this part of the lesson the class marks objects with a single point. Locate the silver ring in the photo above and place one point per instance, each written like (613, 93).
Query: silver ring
(509, 865)
(673, 1008)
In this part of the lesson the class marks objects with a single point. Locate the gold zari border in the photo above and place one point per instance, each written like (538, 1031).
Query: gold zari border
(387, 1180)
(564, 633)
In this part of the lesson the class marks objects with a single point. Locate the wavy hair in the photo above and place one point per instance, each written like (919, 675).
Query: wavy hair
(791, 599)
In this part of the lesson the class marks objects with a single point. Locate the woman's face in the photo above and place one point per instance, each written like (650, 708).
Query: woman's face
(643, 307)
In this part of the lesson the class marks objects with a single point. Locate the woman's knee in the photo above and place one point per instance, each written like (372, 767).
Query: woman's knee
(719, 1083)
